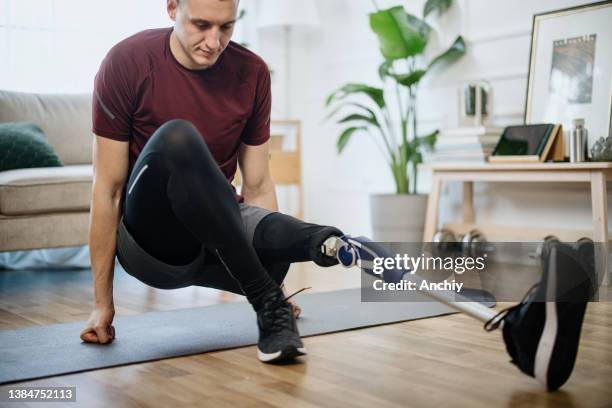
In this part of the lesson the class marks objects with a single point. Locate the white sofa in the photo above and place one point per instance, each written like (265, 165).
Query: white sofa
(48, 207)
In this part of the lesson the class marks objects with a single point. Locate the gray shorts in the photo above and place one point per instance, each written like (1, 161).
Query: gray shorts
(205, 270)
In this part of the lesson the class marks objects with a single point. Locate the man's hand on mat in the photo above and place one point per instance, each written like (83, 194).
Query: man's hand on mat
(99, 328)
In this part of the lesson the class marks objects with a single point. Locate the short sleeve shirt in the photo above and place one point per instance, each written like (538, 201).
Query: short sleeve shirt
(140, 86)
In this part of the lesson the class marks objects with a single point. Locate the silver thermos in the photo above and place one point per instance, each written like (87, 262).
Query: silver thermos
(578, 142)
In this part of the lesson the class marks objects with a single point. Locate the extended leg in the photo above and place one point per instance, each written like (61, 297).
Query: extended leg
(360, 252)
(542, 332)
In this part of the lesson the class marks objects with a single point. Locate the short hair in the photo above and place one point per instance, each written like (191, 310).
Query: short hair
(179, 1)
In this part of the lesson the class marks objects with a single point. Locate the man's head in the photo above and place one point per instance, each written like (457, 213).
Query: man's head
(202, 30)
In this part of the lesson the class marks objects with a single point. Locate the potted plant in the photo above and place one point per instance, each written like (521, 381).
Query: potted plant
(389, 115)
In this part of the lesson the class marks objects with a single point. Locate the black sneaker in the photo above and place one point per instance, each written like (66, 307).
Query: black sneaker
(543, 331)
(279, 339)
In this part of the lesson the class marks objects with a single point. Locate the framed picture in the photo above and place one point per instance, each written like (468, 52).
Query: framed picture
(570, 68)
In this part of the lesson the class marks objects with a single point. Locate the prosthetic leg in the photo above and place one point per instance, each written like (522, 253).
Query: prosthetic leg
(542, 332)
(361, 251)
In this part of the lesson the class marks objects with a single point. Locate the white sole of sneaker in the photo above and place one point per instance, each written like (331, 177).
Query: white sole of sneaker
(546, 344)
(549, 333)
(280, 355)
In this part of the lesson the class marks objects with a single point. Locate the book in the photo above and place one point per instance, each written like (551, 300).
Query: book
(529, 144)
(472, 131)
(476, 158)
(473, 139)
(466, 147)
(469, 143)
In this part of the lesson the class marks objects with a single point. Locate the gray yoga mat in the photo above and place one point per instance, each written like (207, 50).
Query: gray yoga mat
(44, 351)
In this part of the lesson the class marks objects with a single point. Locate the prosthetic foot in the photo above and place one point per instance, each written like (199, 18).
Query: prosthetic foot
(543, 331)
(360, 251)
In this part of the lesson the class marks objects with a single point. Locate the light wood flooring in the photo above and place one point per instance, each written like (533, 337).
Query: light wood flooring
(438, 362)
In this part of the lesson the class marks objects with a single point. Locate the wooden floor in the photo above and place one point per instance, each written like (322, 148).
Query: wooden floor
(446, 361)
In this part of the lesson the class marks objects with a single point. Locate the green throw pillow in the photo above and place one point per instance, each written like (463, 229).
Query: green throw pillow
(24, 145)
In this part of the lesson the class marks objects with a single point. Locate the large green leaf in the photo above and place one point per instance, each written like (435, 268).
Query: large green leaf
(410, 78)
(358, 117)
(345, 137)
(405, 151)
(376, 94)
(416, 158)
(396, 37)
(428, 141)
(419, 26)
(456, 51)
(436, 5)
(384, 69)
(349, 104)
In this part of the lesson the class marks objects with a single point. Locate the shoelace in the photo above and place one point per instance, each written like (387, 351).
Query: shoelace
(295, 293)
(496, 320)
(280, 318)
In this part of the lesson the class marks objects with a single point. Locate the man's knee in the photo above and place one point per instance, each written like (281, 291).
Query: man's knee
(179, 138)
(177, 126)
(180, 133)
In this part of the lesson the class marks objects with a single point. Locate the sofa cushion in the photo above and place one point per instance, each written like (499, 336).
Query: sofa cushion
(44, 230)
(44, 190)
(23, 145)
(65, 119)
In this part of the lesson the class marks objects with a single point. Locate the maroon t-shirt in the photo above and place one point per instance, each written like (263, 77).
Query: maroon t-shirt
(140, 86)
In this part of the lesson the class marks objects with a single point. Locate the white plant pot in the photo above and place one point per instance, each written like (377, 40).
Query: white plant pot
(398, 217)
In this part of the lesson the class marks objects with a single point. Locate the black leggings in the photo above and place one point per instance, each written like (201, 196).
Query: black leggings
(177, 200)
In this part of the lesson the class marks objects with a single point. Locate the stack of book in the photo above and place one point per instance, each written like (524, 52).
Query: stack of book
(466, 144)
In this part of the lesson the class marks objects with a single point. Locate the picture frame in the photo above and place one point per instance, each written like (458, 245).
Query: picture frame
(570, 68)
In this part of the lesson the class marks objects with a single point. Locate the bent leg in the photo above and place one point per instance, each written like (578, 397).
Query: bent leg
(177, 185)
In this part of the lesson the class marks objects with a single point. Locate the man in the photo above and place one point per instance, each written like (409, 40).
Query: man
(174, 112)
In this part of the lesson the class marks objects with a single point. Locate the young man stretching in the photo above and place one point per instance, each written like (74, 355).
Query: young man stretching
(175, 111)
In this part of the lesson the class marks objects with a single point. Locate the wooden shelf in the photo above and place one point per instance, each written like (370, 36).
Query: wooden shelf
(596, 174)
(508, 233)
(519, 166)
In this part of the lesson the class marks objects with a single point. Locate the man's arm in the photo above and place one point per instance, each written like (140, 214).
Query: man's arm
(257, 185)
(110, 158)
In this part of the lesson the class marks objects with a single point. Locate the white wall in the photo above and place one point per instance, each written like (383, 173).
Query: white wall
(57, 45)
(343, 49)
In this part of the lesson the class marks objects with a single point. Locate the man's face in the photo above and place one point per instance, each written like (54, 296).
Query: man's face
(203, 28)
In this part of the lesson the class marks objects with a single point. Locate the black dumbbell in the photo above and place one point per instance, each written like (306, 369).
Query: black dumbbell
(445, 243)
(473, 244)
(586, 250)
(544, 248)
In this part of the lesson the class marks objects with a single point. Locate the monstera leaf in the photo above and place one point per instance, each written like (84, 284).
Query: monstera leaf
(410, 78)
(456, 51)
(375, 94)
(346, 136)
(419, 26)
(436, 5)
(396, 35)
(428, 141)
